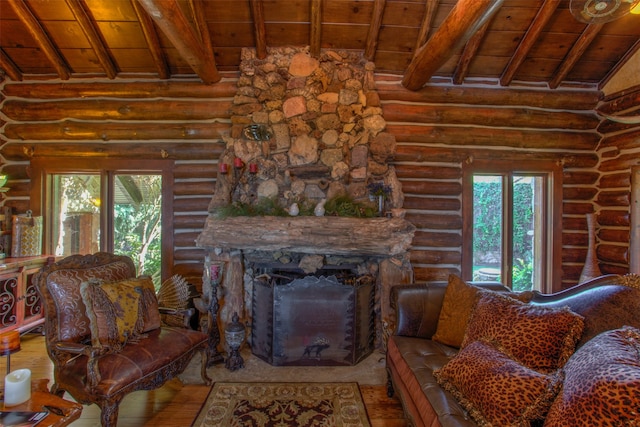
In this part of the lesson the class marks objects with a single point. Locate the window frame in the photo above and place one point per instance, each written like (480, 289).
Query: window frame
(41, 203)
(551, 276)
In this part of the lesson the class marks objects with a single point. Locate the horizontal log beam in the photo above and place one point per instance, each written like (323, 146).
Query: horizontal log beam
(515, 117)
(494, 137)
(313, 235)
(135, 90)
(564, 99)
(94, 109)
(104, 131)
(22, 151)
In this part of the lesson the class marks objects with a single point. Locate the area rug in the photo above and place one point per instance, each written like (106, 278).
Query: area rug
(283, 405)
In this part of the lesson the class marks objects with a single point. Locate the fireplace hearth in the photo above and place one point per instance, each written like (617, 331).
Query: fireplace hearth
(313, 320)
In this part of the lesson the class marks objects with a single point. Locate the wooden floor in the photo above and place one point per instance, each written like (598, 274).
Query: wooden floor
(175, 404)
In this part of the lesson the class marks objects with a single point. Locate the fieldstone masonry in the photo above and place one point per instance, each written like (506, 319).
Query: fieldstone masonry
(310, 129)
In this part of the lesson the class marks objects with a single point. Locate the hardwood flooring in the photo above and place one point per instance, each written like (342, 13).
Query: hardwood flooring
(176, 404)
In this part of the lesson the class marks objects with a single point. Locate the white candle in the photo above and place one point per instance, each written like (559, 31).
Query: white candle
(17, 387)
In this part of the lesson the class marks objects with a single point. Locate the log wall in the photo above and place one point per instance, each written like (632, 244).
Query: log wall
(153, 119)
(620, 152)
(437, 129)
(441, 127)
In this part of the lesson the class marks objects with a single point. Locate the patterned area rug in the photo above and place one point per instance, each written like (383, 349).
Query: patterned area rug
(283, 405)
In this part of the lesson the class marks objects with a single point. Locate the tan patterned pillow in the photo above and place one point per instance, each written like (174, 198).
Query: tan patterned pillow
(148, 303)
(457, 305)
(602, 383)
(113, 310)
(495, 389)
(540, 338)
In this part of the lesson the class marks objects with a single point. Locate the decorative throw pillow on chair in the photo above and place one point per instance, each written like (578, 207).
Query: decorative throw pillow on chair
(120, 311)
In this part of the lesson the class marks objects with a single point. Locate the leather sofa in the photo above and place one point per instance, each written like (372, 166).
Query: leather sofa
(606, 303)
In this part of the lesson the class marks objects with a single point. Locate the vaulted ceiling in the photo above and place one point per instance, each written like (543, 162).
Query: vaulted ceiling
(536, 42)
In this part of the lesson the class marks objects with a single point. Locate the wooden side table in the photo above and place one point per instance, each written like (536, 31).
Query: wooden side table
(40, 397)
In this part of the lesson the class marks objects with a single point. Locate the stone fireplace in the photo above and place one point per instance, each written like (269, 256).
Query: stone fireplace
(306, 131)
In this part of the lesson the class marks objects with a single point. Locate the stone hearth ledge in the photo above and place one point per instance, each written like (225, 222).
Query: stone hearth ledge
(329, 235)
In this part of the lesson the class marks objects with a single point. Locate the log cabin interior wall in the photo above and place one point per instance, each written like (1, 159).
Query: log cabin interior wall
(437, 129)
(505, 79)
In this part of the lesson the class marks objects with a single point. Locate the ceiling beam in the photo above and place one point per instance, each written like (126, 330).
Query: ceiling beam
(197, 9)
(259, 29)
(42, 39)
(153, 41)
(466, 17)
(469, 52)
(171, 20)
(90, 31)
(530, 37)
(9, 67)
(425, 28)
(374, 29)
(576, 52)
(315, 35)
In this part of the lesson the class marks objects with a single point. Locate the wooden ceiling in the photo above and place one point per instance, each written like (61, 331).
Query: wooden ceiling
(534, 42)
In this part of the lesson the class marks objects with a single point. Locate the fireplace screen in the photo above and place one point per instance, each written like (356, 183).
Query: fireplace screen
(313, 321)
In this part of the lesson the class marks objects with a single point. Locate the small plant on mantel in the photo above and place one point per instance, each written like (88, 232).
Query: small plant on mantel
(341, 205)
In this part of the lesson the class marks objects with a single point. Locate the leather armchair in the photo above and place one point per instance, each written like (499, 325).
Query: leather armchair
(92, 374)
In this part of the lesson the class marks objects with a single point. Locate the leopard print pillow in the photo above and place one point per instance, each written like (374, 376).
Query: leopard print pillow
(496, 390)
(602, 383)
(541, 338)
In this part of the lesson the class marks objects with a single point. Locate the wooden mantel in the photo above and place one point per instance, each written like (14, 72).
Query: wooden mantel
(329, 235)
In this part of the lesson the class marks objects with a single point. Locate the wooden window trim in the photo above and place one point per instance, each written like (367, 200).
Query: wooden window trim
(552, 280)
(43, 166)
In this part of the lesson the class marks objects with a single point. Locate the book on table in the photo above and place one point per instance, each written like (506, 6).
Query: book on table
(21, 418)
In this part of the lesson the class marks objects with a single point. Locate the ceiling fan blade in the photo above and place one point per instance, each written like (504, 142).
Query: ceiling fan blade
(600, 11)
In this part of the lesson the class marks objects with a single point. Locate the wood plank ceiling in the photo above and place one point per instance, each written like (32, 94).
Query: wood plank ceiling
(535, 42)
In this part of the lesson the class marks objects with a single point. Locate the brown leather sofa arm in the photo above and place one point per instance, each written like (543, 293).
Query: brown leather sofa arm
(417, 308)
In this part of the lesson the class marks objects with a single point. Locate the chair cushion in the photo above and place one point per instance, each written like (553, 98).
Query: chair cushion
(495, 389)
(114, 312)
(602, 383)
(540, 338)
(159, 355)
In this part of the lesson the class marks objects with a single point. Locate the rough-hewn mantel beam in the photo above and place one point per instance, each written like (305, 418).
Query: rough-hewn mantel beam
(171, 20)
(327, 235)
(466, 17)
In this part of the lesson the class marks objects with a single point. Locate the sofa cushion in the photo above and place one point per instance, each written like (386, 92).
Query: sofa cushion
(495, 389)
(114, 313)
(540, 338)
(411, 362)
(602, 383)
(459, 300)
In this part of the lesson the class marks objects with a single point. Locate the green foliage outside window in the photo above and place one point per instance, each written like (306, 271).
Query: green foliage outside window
(137, 228)
(488, 228)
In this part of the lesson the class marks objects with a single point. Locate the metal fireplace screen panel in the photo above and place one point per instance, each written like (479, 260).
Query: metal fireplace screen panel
(313, 321)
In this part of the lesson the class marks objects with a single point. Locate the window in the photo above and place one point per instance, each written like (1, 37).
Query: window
(106, 205)
(511, 220)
